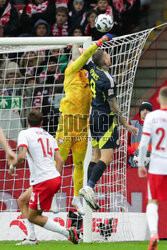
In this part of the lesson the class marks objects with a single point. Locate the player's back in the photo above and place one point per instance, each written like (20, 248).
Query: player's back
(102, 86)
(156, 125)
(41, 150)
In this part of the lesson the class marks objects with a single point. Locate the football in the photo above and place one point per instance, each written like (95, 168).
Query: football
(104, 22)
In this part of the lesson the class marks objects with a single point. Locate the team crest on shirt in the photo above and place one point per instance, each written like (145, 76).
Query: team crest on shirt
(110, 91)
(86, 75)
(117, 142)
(60, 140)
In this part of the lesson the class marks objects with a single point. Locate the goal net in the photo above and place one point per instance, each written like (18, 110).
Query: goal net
(31, 76)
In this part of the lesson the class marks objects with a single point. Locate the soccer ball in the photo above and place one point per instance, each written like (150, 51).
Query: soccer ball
(104, 22)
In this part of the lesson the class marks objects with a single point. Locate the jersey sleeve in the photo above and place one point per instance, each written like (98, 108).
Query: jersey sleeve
(81, 61)
(147, 126)
(110, 87)
(22, 140)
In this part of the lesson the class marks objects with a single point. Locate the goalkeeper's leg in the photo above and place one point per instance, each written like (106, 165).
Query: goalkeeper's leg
(78, 152)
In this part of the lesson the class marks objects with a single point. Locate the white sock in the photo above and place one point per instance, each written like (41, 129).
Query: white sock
(54, 206)
(55, 227)
(76, 198)
(30, 230)
(152, 217)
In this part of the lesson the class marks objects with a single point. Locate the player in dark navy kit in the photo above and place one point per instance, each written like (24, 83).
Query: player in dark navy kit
(104, 117)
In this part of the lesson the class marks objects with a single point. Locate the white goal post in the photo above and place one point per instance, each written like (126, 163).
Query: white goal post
(30, 84)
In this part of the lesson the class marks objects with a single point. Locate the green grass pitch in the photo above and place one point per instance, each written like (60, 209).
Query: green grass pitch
(64, 245)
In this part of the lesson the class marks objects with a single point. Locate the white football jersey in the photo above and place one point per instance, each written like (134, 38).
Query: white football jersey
(40, 154)
(155, 126)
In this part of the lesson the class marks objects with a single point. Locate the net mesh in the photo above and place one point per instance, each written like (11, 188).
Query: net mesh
(32, 76)
(112, 222)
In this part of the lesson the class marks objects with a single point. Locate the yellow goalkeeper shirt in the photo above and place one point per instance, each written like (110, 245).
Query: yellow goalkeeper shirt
(77, 98)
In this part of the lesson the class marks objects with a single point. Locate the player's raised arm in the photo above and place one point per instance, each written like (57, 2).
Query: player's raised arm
(82, 59)
(116, 110)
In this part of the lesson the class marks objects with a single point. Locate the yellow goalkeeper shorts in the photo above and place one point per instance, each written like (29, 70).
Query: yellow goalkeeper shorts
(72, 133)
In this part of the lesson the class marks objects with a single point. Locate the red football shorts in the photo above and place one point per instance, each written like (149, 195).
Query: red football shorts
(42, 195)
(157, 187)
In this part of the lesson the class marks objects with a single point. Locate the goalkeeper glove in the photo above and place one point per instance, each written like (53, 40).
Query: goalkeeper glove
(104, 39)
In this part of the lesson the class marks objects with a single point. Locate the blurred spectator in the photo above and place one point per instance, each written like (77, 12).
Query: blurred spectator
(61, 3)
(90, 29)
(50, 73)
(29, 63)
(44, 98)
(9, 20)
(35, 10)
(87, 4)
(103, 6)
(49, 77)
(145, 9)
(77, 16)
(29, 94)
(19, 2)
(127, 14)
(61, 57)
(60, 27)
(77, 31)
(11, 75)
(3, 62)
(133, 142)
(41, 28)
(12, 82)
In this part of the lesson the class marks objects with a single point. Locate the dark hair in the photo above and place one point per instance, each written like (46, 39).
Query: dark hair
(62, 10)
(76, 27)
(52, 59)
(163, 92)
(35, 117)
(90, 12)
(98, 58)
(145, 105)
(105, 0)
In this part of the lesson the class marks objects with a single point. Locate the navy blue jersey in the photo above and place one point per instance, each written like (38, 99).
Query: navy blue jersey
(102, 87)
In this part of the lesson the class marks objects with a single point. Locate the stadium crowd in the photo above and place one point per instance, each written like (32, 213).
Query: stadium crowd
(39, 75)
(62, 17)
(45, 68)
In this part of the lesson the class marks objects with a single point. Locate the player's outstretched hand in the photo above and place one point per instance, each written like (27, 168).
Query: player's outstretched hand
(11, 156)
(142, 172)
(104, 39)
(131, 129)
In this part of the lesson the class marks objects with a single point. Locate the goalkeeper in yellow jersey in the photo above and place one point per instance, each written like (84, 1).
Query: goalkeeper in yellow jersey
(72, 131)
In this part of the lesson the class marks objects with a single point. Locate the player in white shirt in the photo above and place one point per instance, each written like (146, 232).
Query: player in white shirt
(155, 128)
(41, 150)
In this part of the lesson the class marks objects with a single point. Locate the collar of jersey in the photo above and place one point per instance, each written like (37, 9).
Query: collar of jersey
(101, 69)
(35, 127)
